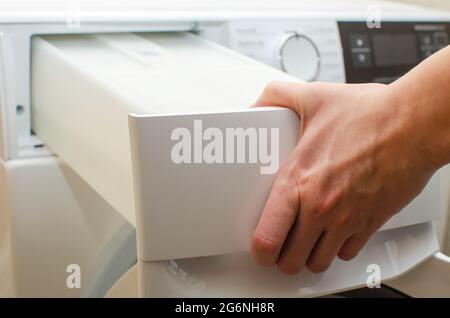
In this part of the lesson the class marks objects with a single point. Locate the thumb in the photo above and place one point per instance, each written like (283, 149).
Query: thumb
(303, 98)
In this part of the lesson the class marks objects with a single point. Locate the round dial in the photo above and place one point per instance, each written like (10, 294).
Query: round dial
(299, 56)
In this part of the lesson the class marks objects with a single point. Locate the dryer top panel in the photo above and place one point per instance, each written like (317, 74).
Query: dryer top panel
(51, 11)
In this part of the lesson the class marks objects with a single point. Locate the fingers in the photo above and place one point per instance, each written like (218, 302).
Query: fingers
(353, 245)
(277, 218)
(325, 251)
(286, 234)
(298, 247)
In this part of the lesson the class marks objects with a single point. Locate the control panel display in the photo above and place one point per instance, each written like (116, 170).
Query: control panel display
(386, 53)
(395, 49)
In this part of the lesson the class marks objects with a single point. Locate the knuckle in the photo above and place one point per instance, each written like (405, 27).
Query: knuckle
(285, 186)
(282, 182)
(292, 169)
(264, 246)
(272, 88)
(346, 221)
(320, 212)
(325, 207)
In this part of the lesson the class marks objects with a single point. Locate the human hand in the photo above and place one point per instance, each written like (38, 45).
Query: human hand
(357, 163)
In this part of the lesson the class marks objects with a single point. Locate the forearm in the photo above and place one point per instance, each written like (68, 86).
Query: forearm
(423, 97)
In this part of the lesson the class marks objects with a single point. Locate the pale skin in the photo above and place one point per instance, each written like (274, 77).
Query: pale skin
(365, 151)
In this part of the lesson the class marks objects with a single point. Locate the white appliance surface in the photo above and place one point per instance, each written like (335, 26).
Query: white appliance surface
(77, 98)
(81, 103)
(388, 254)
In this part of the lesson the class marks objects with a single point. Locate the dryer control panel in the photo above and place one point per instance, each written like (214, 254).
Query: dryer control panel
(307, 49)
(339, 51)
(384, 54)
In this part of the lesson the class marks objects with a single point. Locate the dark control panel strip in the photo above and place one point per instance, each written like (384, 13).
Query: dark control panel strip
(384, 54)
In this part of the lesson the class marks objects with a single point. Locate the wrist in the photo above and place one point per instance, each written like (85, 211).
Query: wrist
(419, 122)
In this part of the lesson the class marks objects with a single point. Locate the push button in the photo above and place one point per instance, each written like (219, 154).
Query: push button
(358, 41)
(440, 39)
(426, 40)
(360, 48)
(362, 59)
